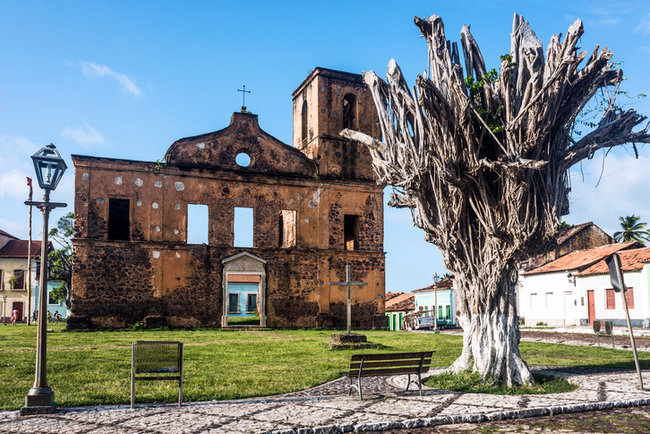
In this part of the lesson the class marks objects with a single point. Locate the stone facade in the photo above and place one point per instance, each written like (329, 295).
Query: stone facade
(315, 208)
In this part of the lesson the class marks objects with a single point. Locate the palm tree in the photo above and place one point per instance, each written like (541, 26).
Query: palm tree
(633, 230)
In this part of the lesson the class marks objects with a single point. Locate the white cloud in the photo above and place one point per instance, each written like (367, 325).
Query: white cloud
(15, 166)
(85, 137)
(644, 26)
(92, 69)
(622, 191)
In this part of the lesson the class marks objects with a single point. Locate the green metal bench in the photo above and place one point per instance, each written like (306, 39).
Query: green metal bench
(155, 361)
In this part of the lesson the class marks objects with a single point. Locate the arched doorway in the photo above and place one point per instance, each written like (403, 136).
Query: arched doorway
(244, 291)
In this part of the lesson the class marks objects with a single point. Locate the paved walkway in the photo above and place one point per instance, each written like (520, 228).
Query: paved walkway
(328, 409)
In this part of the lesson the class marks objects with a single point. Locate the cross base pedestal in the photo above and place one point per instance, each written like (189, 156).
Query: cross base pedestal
(350, 340)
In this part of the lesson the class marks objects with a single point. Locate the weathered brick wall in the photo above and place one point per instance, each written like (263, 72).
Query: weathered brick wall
(117, 284)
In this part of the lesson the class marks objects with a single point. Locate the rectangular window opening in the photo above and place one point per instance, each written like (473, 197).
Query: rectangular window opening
(610, 300)
(118, 219)
(629, 298)
(20, 279)
(233, 303)
(244, 224)
(197, 224)
(251, 303)
(351, 231)
(548, 300)
(287, 229)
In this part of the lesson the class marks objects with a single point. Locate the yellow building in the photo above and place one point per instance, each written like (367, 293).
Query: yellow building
(14, 275)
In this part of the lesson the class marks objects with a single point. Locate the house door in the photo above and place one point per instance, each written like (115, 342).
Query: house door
(18, 305)
(566, 307)
(591, 306)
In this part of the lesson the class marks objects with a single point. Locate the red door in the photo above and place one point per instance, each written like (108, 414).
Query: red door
(18, 305)
(591, 306)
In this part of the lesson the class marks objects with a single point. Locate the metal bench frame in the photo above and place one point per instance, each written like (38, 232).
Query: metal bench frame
(150, 376)
(371, 365)
(609, 330)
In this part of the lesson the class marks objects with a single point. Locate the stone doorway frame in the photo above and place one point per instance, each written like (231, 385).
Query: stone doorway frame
(249, 264)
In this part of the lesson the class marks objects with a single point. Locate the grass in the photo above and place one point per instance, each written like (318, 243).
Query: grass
(471, 382)
(245, 320)
(94, 368)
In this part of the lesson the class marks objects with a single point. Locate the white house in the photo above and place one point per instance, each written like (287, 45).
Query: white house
(575, 289)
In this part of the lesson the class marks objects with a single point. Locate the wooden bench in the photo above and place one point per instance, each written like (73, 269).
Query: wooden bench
(370, 365)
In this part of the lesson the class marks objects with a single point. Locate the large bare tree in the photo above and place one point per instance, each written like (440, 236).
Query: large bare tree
(481, 160)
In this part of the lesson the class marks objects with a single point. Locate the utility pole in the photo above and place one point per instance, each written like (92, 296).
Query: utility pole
(29, 256)
(436, 279)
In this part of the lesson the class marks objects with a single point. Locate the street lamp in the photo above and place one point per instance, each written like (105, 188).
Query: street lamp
(436, 279)
(49, 168)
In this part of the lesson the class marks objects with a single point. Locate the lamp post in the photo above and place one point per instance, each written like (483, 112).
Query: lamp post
(49, 167)
(436, 279)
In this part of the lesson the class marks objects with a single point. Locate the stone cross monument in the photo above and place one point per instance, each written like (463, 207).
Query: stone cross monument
(349, 284)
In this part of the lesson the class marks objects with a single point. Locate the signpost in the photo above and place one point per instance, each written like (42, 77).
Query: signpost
(616, 276)
(349, 284)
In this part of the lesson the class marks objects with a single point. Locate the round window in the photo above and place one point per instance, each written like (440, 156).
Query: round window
(243, 159)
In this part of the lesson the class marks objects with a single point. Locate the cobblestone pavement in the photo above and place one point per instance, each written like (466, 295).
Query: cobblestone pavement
(328, 408)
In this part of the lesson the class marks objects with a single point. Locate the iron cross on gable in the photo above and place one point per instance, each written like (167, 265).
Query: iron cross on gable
(349, 284)
(243, 101)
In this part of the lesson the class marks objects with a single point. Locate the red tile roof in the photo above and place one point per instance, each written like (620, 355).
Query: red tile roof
(631, 260)
(581, 259)
(391, 295)
(7, 235)
(446, 283)
(565, 234)
(401, 302)
(18, 249)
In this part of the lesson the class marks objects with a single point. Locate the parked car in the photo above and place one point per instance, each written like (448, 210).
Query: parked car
(424, 323)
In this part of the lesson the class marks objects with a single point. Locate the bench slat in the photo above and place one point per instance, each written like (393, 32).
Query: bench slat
(387, 371)
(391, 356)
(395, 363)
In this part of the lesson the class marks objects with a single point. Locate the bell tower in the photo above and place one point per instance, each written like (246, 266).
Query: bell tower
(325, 103)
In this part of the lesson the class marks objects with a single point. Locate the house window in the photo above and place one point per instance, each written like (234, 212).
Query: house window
(448, 312)
(610, 302)
(251, 303)
(20, 279)
(439, 312)
(2, 280)
(287, 229)
(50, 300)
(548, 300)
(629, 298)
(349, 110)
(118, 219)
(351, 231)
(533, 301)
(197, 224)
(243, 227)
(233, 303)
(303, 122)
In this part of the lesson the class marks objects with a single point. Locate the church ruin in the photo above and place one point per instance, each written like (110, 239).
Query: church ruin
(315, 207)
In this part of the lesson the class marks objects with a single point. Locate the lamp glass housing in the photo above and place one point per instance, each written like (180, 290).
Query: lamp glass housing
(49, 167)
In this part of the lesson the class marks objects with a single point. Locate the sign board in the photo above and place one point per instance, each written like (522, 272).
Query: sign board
(615, 273)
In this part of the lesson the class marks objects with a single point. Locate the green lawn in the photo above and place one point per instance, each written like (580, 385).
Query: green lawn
(94, 367)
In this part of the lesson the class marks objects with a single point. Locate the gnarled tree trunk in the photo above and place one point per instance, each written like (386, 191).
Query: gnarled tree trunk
(481, 160)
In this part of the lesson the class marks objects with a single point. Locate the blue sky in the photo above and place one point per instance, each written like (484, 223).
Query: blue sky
(126, 79)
